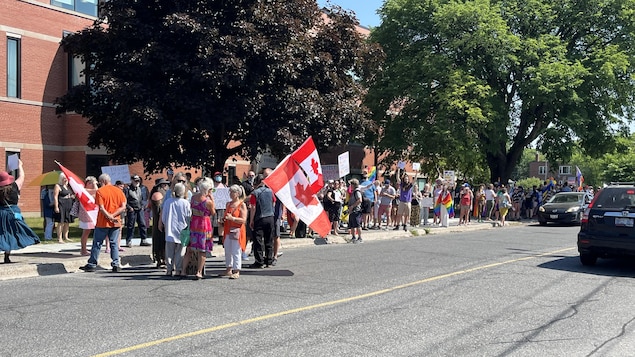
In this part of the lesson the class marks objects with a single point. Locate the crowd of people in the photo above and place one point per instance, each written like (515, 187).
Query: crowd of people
(374, 204)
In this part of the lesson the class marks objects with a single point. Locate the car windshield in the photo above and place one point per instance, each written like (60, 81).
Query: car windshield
(566, 199)
(616, 197)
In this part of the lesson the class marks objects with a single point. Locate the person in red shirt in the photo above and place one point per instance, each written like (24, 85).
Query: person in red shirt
(112, 203)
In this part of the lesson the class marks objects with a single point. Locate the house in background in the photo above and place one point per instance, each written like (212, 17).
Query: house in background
(544, 171)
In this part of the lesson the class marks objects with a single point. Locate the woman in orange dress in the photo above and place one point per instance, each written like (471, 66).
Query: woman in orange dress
(235, 233)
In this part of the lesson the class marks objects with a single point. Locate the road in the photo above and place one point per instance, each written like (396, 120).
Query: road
(514, 291)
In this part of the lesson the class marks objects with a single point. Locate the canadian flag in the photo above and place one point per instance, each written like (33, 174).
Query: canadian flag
(292, 188)
(307, 157)
(85, 199)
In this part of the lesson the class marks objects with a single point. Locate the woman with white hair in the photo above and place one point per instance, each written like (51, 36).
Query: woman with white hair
(201, 237)
(175, 217)
(235, 233)
(62, 203)
(85, 222)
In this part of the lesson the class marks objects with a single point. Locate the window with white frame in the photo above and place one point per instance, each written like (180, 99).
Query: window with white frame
(565, 170)
(88, 7)
(542, 170)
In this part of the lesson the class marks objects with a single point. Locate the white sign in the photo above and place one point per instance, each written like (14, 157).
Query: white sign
(343, 164)
(401, 165)
(221, 197)
(427, 202)
(416, 166)
(448, 176)
(12, 162)
(117, 173)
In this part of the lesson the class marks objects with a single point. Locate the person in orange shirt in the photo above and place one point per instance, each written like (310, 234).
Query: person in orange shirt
(112, 203)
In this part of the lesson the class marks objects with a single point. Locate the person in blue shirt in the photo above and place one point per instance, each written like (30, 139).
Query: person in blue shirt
(369, 192)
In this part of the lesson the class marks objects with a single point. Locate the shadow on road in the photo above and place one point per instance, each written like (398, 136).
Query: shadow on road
(605, 267)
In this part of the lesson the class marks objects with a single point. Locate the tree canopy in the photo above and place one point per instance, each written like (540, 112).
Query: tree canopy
(175, 82)
(475, 82)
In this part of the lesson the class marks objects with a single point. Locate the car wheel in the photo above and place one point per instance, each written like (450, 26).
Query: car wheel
(542, 223)
(588, 259)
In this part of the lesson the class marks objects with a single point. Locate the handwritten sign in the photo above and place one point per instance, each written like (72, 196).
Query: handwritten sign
(221, 197)
(343, 164)
(330, 172)
(117, 173)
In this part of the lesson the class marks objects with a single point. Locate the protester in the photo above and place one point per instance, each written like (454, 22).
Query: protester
(386, 195)
(85, 221)
(62, 203)
(201, 233)
(235, 234)
(112, 203)
(14, 232)
(355, 212)
(405, 202)
(466, 198)
(444, 207)
(137, 199)
(47, 211)
(504, 204)
(333, 205)
(175, 217)
(261, 220)
(415, 208)
(157, 198)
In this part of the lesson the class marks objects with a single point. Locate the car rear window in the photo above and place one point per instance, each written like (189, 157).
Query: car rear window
(616, 197)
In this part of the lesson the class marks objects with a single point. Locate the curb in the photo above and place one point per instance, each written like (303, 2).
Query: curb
(44, 260)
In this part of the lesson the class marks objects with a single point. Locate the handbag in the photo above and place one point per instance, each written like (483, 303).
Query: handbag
(17, 214)
(185, 236)
(75, 209)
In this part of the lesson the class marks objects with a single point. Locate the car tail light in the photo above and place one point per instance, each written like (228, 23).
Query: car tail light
(585, 215)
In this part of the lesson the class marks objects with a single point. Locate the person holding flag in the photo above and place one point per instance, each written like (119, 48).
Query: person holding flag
(86, 222)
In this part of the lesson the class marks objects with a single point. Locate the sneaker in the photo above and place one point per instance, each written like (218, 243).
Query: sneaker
(117, 269)
(359, 240)
(145, 244)
(396, 228)
(87, 268)
(280, 254)
(353, 239)
(404, 228)
(129, 244)
(236, 275)
(274, 262)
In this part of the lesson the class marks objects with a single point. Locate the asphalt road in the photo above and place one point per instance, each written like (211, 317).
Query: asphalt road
(514, 291)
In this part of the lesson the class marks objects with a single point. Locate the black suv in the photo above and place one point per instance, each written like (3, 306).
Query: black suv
(607, 227)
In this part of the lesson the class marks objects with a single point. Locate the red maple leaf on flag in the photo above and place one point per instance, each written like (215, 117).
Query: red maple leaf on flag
(304, 196)
(314, 166)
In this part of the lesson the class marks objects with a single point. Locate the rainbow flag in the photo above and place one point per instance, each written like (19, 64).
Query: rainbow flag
(372, 173)
(445, 199)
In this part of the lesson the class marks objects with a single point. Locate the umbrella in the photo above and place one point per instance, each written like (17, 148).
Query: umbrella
(47, 178)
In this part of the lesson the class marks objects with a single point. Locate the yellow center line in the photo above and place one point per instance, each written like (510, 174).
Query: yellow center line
(323, 304)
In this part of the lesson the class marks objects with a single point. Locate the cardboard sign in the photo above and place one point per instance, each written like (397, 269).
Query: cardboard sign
(117, 173)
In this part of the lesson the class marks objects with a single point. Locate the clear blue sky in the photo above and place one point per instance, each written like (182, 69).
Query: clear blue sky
(365, 10)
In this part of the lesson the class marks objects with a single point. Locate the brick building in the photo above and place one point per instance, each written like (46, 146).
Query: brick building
(35, 70)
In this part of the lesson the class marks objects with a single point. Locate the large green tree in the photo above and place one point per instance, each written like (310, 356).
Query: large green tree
(175, 82)
(478, 81)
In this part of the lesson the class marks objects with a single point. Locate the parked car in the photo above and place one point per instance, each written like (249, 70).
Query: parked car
(607, 228)
(564, 207)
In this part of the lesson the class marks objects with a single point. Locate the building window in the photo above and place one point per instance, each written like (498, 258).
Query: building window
(75, 71)
(13, 67)
(542, 170)
(88, 7)
(565, 170)
(94, 164)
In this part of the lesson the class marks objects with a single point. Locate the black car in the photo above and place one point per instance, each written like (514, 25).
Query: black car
(564, 207)
(607, 228)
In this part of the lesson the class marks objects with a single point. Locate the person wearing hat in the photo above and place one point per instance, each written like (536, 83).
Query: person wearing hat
(466, 199)
(157, 197)
(14, 232)
(136, 201)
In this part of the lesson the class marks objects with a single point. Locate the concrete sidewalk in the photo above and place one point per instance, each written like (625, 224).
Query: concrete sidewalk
(50, 259)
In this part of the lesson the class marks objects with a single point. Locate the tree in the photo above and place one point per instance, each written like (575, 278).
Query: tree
(176, 82)
(487, 78)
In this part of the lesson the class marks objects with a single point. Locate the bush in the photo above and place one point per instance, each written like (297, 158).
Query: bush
(529, 182)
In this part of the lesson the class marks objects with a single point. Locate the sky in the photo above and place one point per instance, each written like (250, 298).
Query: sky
(365, 10)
